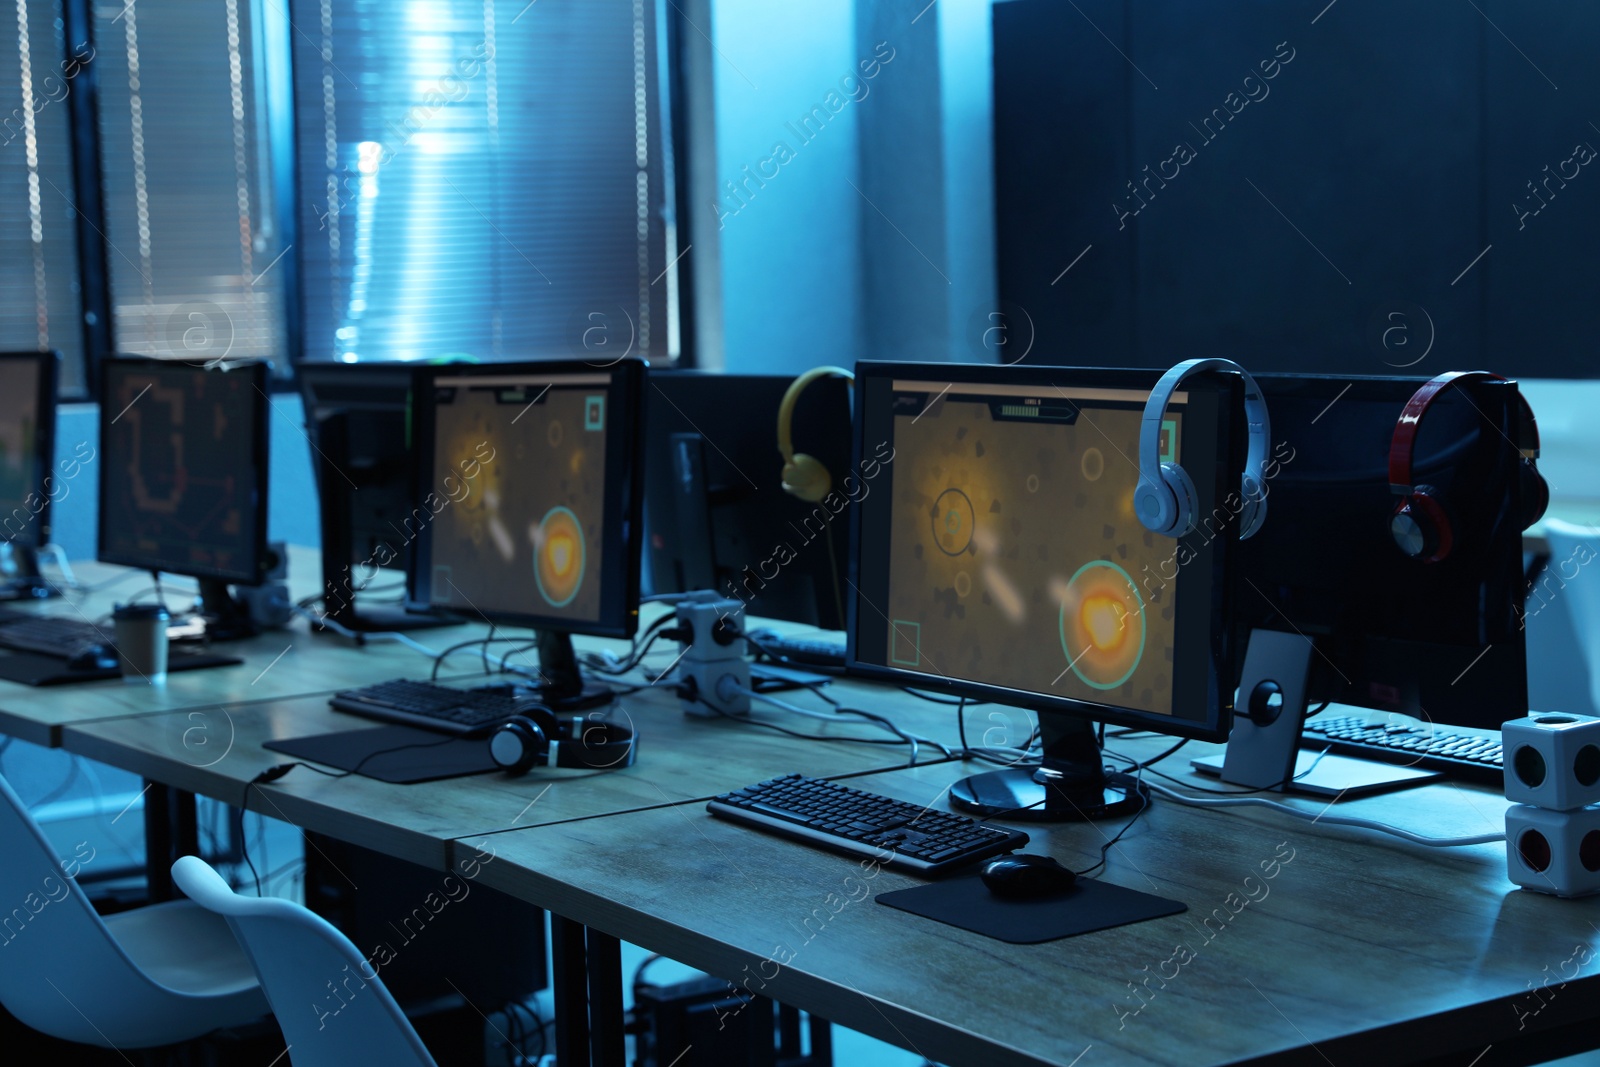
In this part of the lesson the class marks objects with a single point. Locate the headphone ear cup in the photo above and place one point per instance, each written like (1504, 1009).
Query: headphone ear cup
(1535, 494)
(518, 745)
(805, 477)
(1184, 496)
(1154, 505)
(1421, 526)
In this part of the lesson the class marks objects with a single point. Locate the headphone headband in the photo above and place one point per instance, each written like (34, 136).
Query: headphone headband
(1252, 481)
(1402, 447)
(792, 396)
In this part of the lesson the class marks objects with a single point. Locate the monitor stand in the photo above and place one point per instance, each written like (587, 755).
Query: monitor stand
(226, 617)
(1071, 785)
(1264, 746)
(562, 686)
(19, 574)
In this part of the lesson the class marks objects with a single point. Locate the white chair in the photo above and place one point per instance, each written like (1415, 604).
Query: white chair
(329, 1001)
(1573, 575)
(154, 976)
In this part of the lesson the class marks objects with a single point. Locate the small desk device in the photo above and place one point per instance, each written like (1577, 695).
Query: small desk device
(529, 493)
(183, 478)
(999, 557)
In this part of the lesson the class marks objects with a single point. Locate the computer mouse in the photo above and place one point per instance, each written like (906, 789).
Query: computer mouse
(93, 658)
(1021, 876)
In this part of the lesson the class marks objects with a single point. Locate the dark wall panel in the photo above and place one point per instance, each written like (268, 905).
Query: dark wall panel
(1326, 219)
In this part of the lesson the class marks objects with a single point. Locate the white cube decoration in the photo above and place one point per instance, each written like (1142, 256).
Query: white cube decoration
(1552, 760)
(1555, 852)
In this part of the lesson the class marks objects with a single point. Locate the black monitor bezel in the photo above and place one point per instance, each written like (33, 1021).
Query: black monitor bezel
(622, 532)
(260, 562)
(1216, 555)
(44, 438)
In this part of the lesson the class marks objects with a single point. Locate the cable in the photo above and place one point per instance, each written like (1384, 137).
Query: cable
(930, 698)
(1105, 849)
(1324, 817)
(746, 720)
(911, 739)
(277, 771)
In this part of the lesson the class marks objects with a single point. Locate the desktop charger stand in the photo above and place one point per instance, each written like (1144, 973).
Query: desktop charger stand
(1264, 746)
(1071, 785)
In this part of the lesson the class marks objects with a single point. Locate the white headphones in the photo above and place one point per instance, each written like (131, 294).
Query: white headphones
(1165, 498)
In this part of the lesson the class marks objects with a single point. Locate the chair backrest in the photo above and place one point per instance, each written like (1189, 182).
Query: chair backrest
(329, 1000)
(1574, 576)
(61, 971)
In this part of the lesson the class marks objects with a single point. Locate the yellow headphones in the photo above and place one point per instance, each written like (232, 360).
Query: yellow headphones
(803, 475)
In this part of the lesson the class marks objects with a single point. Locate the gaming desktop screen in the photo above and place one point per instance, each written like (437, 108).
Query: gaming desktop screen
(522, 461)
(184, 482)
(1001, 547)
(19, 437)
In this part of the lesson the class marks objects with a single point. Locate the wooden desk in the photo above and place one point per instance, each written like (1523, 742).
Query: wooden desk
(1363, 948)
(279, 663)
(216, 751)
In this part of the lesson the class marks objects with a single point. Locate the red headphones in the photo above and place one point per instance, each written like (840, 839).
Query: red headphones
(1421, 523)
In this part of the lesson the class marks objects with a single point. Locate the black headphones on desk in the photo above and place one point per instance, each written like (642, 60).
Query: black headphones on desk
(536, 737)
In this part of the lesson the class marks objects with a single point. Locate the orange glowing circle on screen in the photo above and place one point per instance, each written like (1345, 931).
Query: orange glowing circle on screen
(1102, 625)
(558, 561)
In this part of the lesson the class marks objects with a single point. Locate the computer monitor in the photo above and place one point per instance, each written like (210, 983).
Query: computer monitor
(998, 557)
(716, 511)
(1373, 627)
(358, 420)
(526, 506)
(183, 477)
(27, 487)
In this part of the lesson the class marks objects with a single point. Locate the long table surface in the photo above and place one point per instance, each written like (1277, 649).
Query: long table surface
(1302, 943)
(216, 751)
(277, 664)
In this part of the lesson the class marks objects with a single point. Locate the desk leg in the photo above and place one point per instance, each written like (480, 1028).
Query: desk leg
(571, 977)
(171, 829)
(608, 1042)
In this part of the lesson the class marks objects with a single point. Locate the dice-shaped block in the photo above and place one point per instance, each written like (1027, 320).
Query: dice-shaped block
(1555, 852)
(1552, 760)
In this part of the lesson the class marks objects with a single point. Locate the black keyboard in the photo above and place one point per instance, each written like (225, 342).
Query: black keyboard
(433, 707)
(809, 649)
(1471, 757)
(52, 636)
(914, 838)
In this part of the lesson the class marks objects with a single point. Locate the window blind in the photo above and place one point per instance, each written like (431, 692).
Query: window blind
(483, 179)
(191, 244)
(39, 298)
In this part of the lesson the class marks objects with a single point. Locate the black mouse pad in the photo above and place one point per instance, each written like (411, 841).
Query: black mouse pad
(398, 754)
(1089, 906)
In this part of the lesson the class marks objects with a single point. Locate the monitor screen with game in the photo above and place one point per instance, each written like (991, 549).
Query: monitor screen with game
(528, 495)
(183, 471)
(27, 425)
(999, 556)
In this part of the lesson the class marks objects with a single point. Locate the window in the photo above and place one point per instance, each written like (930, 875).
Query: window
(192, 247)
(39, 299)
(482, 179)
